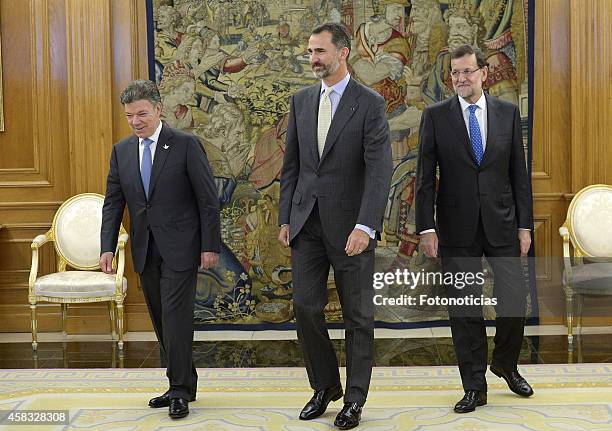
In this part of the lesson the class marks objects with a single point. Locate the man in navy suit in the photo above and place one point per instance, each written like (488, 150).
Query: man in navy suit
(163, 176)
(483, 207)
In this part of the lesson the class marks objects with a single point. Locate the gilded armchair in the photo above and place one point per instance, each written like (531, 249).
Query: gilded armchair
(75, 233)
(588, 229)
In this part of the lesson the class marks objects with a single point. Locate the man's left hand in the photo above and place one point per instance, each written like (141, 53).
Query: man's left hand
(524, 237)
(208, 259)
(357, 242)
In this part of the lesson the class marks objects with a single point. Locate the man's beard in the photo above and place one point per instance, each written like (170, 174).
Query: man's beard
(327, 69)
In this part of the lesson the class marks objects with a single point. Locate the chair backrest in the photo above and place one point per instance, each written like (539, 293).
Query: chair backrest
(76, 228)
(589, 220)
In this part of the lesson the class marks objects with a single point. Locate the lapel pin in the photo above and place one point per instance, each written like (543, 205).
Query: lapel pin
(166, 146)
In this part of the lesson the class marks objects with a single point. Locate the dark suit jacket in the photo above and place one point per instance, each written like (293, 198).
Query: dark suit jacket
(498, 191)
(351, 181)
(182, 211)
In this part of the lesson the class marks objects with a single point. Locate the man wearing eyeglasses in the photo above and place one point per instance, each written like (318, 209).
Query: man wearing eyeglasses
(483, 208)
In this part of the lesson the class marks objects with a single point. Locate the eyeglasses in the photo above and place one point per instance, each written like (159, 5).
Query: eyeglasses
(466, 72)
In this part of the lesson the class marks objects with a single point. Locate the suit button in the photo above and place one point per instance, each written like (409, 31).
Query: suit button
(148, 206)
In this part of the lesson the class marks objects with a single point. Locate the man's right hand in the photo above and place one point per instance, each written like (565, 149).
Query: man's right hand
(283, 236)
(429, 244)
(106, 262)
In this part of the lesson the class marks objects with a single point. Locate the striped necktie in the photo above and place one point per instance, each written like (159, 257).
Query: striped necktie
(324, 121)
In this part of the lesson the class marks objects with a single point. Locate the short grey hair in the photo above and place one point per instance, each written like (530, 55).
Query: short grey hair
(141, 90)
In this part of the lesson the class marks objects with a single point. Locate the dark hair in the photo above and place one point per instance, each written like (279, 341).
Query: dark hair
(469, 50)
(141, 90)
(341, 37)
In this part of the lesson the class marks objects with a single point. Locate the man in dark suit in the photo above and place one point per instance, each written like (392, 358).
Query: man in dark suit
(334, 185)
(483, 207)
(163, 176)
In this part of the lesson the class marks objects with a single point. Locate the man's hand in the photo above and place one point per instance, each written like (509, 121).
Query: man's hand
(524, 237)
(208, 259)
(106, 262)
(429, 244)
(357, 242)
(283, 236)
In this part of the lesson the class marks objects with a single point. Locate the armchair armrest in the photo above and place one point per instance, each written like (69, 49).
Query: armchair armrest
(120, 261)
(41, 239)
(123, 239)
(36, 244)
(567, 259)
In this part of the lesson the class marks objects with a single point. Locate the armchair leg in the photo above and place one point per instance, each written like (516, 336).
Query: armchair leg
(64, 319)
(569, 304)
(120, 325)
(579, 316)
(34, 326)
(113, 323)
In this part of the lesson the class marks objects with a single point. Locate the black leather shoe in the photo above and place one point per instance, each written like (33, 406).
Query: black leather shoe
(162, 401)
(516, 382)
(319, 401)
(349, 416)
(179, 408)
(470, 401)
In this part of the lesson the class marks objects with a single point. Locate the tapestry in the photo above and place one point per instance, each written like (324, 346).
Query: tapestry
(226, 70)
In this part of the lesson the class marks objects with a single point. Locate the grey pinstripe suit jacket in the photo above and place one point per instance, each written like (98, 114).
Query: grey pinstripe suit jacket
(350, 181)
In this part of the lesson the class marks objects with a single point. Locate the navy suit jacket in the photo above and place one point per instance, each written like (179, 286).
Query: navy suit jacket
(182, 211)
(497, 192)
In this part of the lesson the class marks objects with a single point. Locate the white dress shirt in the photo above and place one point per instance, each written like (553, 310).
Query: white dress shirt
(336, 93)
(481, 116)
(154, 138)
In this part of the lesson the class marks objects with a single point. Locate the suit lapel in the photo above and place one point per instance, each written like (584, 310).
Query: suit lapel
(311, 120)
(162, 149)
(345, 110)
(458, 124)
(134, 155)
(492, 128)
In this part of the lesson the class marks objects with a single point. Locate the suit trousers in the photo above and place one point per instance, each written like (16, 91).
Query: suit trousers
(170, 297)
(312, 254)
(467, 322)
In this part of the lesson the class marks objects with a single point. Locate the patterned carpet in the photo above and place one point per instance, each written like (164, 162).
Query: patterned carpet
(567, 397)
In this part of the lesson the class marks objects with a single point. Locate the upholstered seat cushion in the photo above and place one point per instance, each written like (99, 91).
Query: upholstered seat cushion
(593, 278)
(73, 284)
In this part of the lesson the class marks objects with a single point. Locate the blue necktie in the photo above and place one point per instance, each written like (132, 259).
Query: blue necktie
(475, 136)
(145, 165)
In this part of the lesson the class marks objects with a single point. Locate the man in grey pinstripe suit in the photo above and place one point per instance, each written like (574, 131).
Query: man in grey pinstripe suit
(334, 186)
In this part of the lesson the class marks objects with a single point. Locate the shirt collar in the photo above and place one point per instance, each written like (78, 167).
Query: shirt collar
(339, 86)
(154, 137)
(481, 102)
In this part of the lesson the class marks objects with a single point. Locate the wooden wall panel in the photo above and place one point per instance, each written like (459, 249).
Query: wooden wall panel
(18, 155)
(61, 81)
(591, 71)
(62, 78)
(551, 150)
(89, 93)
